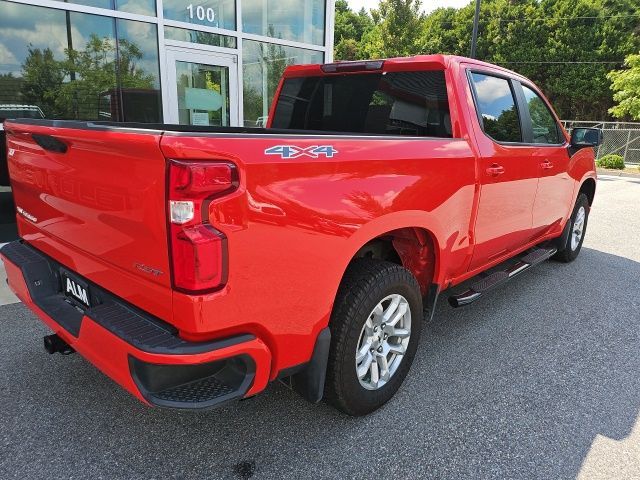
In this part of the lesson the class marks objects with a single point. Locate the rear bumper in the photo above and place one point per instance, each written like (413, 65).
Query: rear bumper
(141, 353)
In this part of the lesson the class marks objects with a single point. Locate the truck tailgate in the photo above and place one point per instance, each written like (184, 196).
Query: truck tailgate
(95, 197)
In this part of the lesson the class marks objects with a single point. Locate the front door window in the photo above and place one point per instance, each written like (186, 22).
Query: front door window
(544, 126)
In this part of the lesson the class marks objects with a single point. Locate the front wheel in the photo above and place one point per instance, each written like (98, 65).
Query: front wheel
(375, 329)
(570, 250)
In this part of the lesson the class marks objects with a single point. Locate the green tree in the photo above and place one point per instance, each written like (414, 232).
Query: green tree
(347, 49)
(349, 30)
(578, 90)
(441, 33)
(566, 47)
(97, 70)
(42, 77)
(506, 127)
(395, 33)
(626, 87)
(129, 74)
(269, 62)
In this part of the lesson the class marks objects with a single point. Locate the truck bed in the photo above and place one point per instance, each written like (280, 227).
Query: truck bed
(100, 207)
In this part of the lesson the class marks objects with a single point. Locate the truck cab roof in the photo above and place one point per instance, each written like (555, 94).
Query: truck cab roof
(391, 64)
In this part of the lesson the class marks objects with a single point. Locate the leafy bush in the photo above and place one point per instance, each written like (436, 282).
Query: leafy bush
(611, 161)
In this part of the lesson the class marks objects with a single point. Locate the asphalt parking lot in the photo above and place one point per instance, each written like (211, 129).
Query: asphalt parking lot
(538, 380)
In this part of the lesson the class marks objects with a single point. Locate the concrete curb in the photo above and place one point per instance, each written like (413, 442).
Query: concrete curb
(617, 173)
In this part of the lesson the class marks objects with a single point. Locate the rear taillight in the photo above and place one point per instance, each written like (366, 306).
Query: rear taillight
(198, 250)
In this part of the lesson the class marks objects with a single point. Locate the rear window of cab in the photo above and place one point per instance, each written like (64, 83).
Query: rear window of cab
(390, 103)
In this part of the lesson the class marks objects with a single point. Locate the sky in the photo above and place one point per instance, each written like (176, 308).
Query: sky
(427, 5)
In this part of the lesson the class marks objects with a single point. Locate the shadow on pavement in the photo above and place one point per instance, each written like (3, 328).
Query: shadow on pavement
(517, 385)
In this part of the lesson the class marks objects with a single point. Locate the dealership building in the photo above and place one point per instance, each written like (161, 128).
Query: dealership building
(193, 62)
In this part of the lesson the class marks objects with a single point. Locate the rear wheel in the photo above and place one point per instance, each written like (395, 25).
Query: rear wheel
(375, 330)
(570, 250)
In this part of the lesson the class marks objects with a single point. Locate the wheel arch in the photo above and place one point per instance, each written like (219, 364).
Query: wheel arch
(414, 248)
(401, 239)
(588, 187)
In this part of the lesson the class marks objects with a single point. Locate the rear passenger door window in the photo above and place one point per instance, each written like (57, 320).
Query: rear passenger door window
(496, 105)
(544, 126)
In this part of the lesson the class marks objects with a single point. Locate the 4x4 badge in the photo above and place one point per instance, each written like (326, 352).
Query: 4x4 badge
(293, 151)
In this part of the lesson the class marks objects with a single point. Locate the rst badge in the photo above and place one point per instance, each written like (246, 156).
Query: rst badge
(293, 151)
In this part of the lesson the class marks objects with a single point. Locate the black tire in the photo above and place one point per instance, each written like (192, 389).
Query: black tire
(365, 284)
(567, 252)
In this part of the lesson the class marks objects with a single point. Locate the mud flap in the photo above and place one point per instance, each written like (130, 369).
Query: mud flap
(309, 382)
(561, 242)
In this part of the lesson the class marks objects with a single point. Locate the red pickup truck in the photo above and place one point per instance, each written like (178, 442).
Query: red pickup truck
(195, 265)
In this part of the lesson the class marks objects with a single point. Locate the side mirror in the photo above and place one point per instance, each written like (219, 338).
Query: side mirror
(586, 137)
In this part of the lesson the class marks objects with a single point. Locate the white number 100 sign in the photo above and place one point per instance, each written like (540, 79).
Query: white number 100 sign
(201, 13)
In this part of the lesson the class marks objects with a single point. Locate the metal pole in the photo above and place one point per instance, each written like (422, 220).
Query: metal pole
(626, 147)
(72, 73)
(474, 36)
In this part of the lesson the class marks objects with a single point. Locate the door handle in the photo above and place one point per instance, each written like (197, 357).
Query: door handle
(546, 165)
(495, 170)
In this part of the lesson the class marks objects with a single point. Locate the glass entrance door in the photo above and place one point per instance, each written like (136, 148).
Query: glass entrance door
(203, 88)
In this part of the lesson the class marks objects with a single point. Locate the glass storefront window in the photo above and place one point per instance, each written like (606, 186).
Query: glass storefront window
(203, 94)
(263, 64)
(194, 36)
(73, 65)
(80, 66)
(138, 72)
(95, 3)
(141, 7)
(212, 13)
(31, 41)
(89, 63)
(297, 20)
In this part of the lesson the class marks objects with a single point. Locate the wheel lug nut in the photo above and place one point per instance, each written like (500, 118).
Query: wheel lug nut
(371, 350)
(384, 325)
(380, 349)
(385, 336)
(375, 329)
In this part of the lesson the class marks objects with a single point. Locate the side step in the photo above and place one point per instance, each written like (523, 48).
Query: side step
(476, 290)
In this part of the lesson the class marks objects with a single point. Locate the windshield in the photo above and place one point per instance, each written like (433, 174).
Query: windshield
(394, 103)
